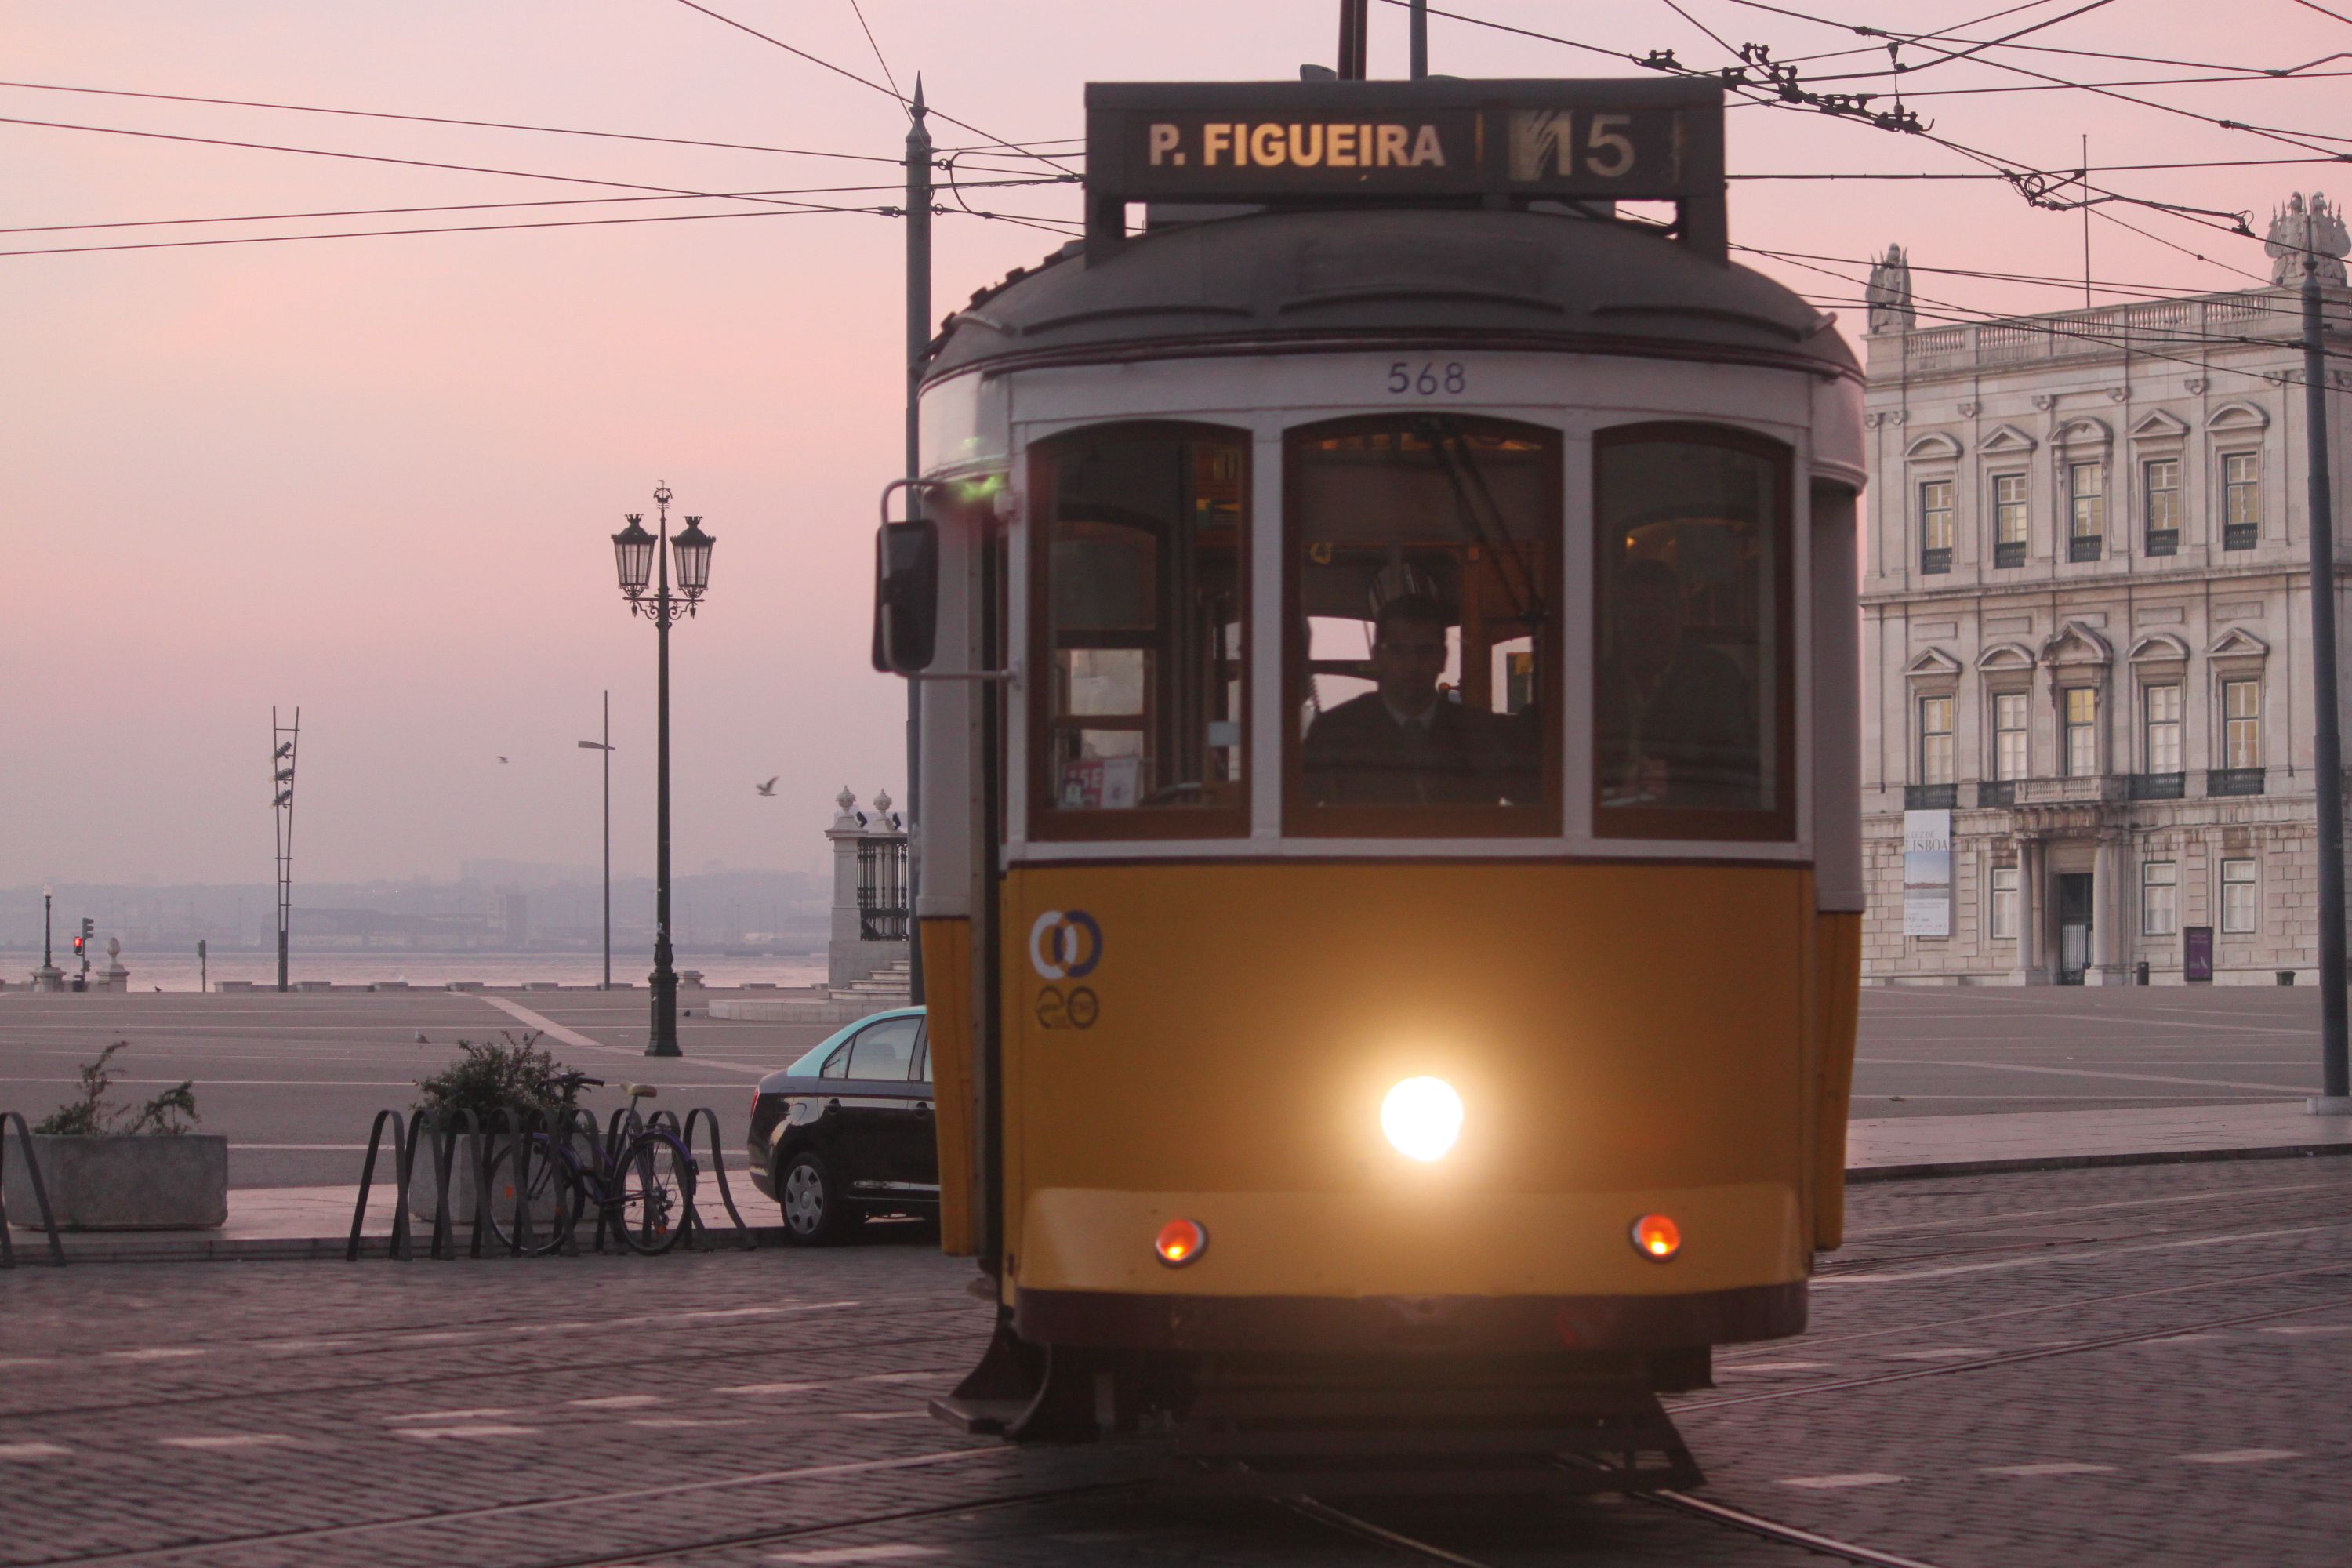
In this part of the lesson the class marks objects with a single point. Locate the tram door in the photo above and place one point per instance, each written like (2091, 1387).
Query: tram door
(2073, 927)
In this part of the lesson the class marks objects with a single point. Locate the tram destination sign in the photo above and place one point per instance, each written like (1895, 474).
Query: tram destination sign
(1345, 143)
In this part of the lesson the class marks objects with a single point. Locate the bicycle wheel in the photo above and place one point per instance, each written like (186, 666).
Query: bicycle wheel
(534, 1172)
(653, 1187)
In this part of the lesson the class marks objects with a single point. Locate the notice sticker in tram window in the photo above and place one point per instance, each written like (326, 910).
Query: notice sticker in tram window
(1105, 784)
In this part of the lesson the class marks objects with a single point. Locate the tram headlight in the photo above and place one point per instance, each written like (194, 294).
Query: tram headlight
(1181, 1241)
(1423, 1117)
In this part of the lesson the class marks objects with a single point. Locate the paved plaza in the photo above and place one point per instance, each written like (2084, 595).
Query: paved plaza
(294, 1081)
(2084, 1367)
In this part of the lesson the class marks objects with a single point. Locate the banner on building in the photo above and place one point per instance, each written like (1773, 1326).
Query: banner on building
(1926, 873)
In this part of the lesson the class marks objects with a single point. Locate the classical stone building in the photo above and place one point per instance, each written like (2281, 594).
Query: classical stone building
(2086, 636)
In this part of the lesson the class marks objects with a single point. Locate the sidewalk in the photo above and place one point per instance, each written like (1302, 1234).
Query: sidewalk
(1896, 1148)
(315, 1222)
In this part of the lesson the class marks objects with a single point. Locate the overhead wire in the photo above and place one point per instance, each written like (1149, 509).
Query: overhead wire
(865, 82)
(806, 211)
(445, 120)
(482, 206)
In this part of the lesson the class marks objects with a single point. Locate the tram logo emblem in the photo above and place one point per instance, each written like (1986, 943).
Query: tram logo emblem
(1065, 944)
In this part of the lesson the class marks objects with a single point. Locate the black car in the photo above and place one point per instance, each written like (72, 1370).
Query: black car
(846, 1132)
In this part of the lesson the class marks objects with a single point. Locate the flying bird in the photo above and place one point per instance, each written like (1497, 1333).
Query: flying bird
(502, 759)
(769, 787)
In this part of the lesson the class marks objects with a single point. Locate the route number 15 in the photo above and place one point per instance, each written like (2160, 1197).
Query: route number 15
(1429, 379)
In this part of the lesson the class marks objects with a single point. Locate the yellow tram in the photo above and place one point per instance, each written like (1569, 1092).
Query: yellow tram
(1389, 884)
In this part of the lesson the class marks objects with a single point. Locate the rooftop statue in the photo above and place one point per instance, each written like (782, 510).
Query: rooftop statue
(2317, 229)
(1889, 294)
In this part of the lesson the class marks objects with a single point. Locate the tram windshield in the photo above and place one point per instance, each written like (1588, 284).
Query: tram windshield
(1421, 566)
(1691, 695)
(1139, 583)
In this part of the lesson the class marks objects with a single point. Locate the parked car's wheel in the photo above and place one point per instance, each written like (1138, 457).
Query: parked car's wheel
(815, 1212)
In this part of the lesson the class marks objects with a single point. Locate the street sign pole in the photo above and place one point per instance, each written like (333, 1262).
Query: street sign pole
(918, 342)
(2327, 743)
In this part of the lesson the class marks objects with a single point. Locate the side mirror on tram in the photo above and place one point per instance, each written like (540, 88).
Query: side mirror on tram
(905, 597)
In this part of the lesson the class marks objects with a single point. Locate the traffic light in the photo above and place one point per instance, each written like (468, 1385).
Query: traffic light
(77, 942)
(81, 941)
(88, 926)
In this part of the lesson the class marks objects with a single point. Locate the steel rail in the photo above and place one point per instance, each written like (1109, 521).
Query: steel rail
(802, 1531)
(2070, 1304)
(529, 1504)
(247, 1398)
(1772, 1530)
(2012, 1358)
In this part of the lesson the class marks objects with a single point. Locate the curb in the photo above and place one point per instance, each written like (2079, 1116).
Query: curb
(2088, 1162)
(84, 1247)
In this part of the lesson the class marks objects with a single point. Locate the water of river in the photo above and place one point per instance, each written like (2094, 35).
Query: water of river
(179, 971)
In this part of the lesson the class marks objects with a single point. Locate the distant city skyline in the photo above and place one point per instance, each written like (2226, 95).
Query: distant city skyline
(376, 478)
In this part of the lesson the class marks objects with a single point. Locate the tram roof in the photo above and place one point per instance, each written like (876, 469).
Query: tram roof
(1286, 281)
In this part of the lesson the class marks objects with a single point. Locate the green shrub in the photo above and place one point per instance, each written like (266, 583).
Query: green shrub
(512, 1075)
(91, 1116)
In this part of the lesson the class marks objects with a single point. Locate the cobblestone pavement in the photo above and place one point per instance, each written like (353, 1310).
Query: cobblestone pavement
(2121, 1366)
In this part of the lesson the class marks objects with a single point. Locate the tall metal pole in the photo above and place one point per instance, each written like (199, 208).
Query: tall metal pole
(47, 961)
(663, 1039)
(918, 342)
(608, 840)
(1418, 38)
(2327, 743)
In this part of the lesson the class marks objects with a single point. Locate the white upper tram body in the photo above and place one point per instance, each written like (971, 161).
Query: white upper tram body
(1509, 294)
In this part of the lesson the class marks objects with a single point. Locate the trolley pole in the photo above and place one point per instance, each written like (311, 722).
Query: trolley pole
(1417, 39)
(919, 339)
(2327, 741)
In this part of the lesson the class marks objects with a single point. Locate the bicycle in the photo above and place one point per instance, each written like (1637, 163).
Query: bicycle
(643, 1185)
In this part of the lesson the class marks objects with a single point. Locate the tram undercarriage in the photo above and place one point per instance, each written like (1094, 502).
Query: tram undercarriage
(1426, 1423)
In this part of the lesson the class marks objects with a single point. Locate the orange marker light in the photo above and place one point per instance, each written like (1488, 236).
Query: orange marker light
(1657, 1236)
(1180, 1242)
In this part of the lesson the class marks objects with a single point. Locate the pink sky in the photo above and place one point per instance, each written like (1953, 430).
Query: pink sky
(376, 477)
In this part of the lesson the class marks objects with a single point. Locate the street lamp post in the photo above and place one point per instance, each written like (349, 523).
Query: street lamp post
(46, 977)
(605, 746)
(639, 556)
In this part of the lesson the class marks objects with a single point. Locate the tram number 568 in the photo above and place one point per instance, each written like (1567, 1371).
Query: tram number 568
(1428, 381)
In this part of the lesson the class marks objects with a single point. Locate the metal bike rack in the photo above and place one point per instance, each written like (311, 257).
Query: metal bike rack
(704, 1114)
(40, 1193)
(575, 1131)
(401, 1147)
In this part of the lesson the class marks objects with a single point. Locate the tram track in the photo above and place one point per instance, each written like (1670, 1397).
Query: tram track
(1679, 1502)
(2012, 1358)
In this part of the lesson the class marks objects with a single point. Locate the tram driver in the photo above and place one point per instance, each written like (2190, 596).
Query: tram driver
(1403, 743)
(1674, 716)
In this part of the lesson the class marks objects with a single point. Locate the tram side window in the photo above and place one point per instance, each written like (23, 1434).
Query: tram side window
(1140, 610)
(1423, 550)
(1693, 696)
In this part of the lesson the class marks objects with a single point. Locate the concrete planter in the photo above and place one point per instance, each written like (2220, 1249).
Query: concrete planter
(151, 1182)
(462, 1157)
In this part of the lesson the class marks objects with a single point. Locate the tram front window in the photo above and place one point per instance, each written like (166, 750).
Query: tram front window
(1422, 550)
(1142, 610)
(1691, 695)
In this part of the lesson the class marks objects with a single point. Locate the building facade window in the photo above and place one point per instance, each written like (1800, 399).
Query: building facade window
(2163, 720)
(1935, 526)
(2004, 903)
(2009, 519)
(2008, 720)
(2241, 500)
(2242, 723)
(2241, 901)
(2080, 713)
(2086, 508)
(1935, 740)
(2161, 480)
(2159, 911)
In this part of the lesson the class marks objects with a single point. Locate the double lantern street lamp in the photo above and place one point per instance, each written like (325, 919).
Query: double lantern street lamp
(640, 557)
